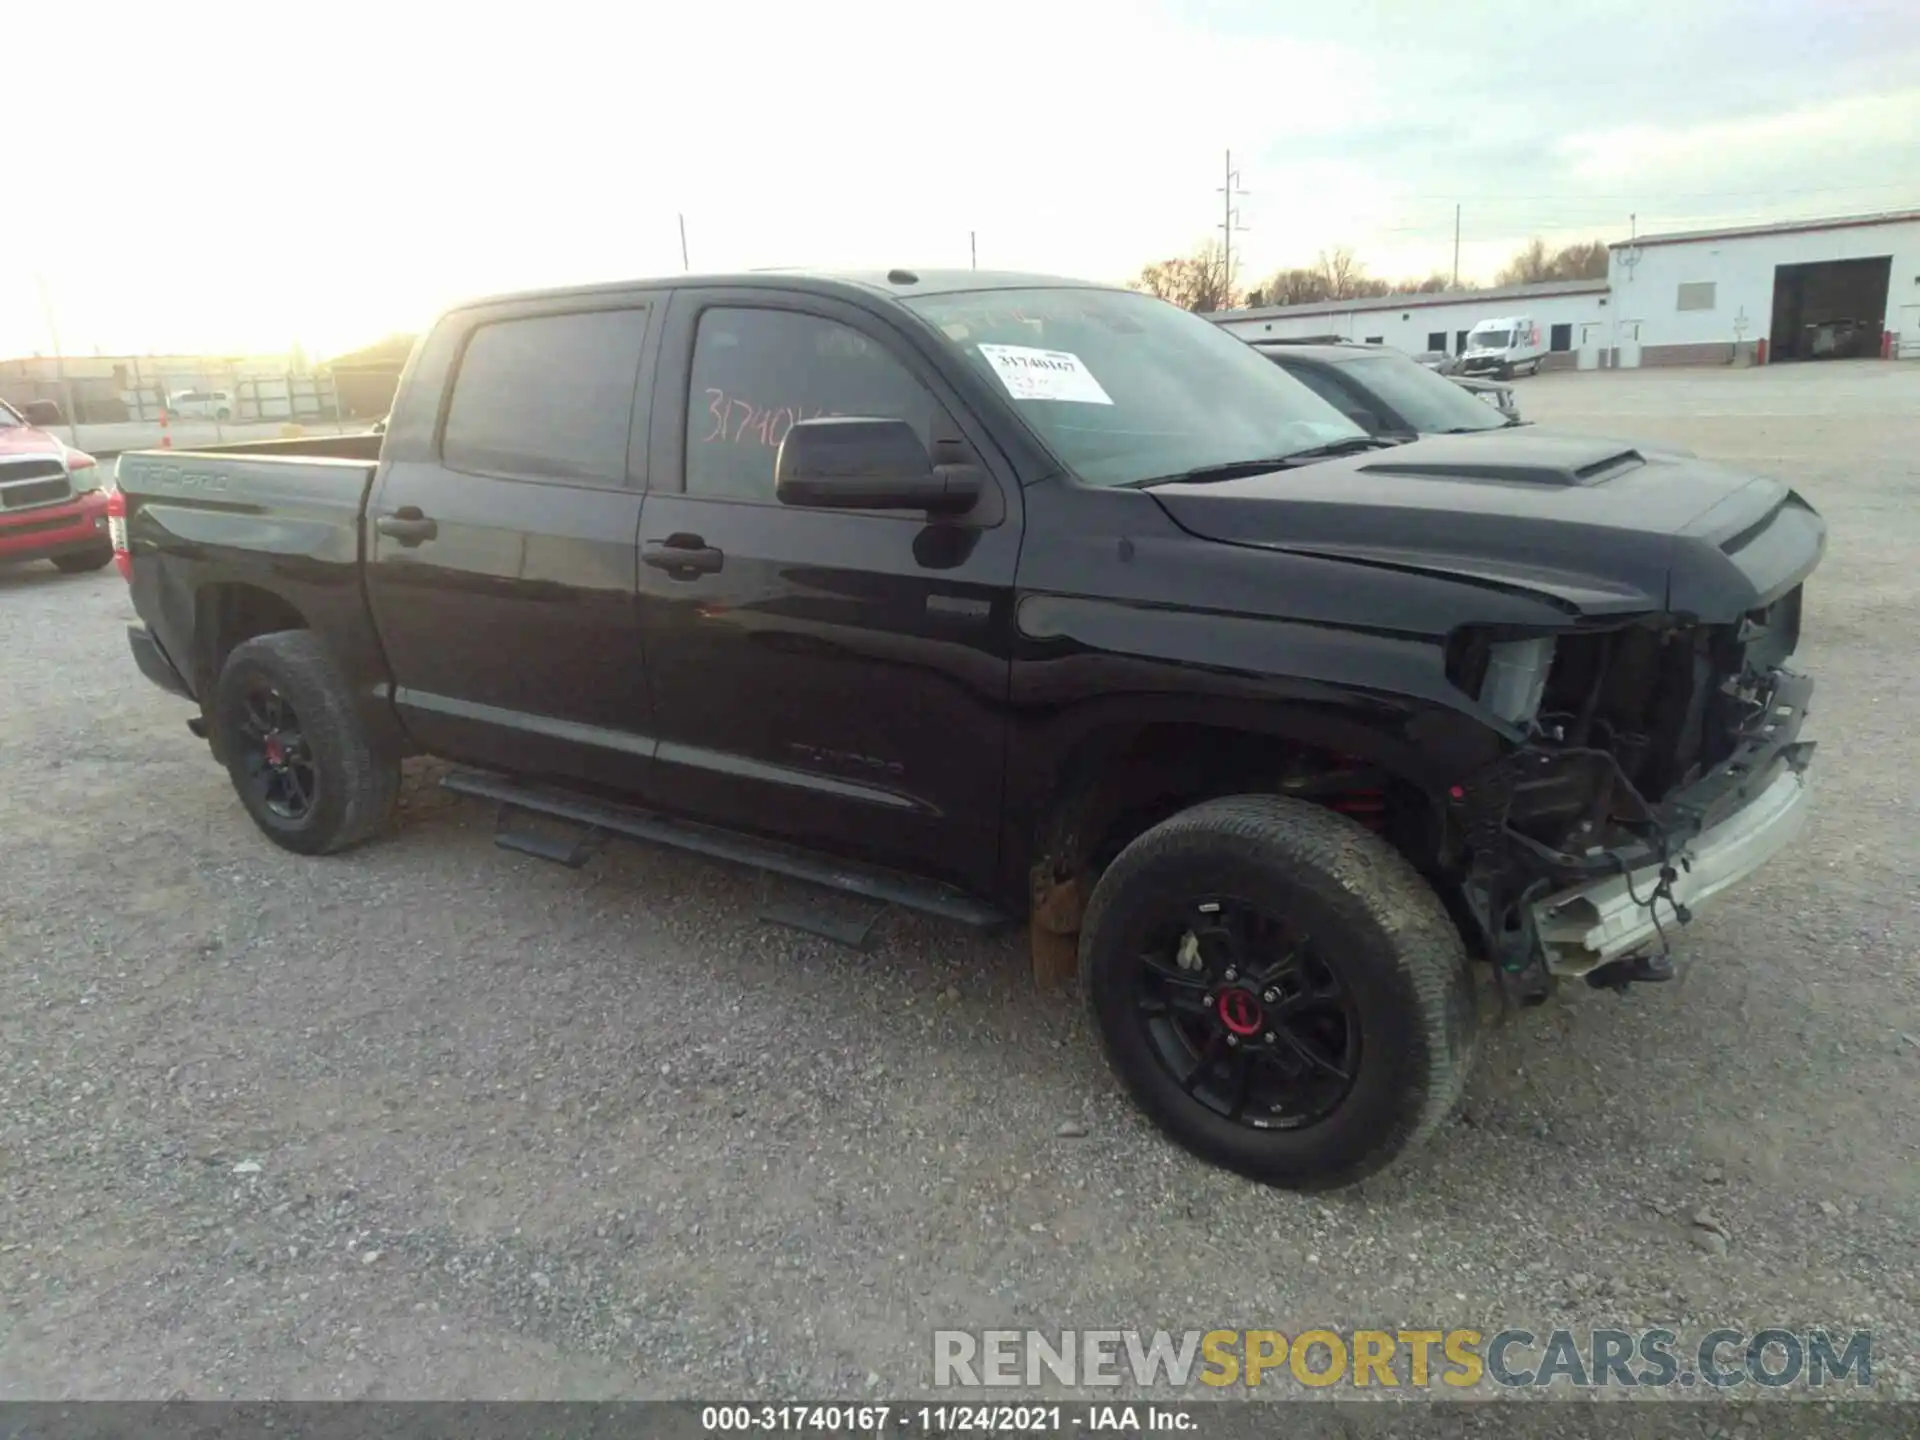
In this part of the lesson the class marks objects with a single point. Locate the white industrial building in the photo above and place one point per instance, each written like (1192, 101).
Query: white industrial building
(1573, 314)
(1752, 294)
(1699, 296)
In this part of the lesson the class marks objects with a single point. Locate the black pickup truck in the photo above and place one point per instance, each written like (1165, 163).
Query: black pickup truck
(1015, 599)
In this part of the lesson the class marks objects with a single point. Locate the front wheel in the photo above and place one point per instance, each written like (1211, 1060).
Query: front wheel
(83, 560)
(296, 749)
(1279, 990)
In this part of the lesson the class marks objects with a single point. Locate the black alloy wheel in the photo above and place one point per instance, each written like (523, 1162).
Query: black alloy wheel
(276, 755)
(1246, 1015)
(1279, 989)
(297, 746)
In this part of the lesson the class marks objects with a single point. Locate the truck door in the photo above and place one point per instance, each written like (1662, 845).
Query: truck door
(835, 675)
(501, 540)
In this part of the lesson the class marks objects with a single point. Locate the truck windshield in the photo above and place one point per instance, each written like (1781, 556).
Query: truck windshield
(1491, 339)
(1124, 388)
(1430, 403)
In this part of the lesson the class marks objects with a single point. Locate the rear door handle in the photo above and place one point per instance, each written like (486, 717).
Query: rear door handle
(685, 557)
(407, 525)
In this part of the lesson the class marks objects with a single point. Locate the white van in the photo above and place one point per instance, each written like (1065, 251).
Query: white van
(1505, 346)
(200, 405)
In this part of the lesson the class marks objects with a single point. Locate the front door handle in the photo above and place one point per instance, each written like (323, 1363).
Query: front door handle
(407, 525)
(685, 557)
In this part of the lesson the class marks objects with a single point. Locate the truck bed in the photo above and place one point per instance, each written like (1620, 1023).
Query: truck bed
(267, 522)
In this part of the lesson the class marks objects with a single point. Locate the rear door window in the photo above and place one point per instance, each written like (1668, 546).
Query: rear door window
(550, 397)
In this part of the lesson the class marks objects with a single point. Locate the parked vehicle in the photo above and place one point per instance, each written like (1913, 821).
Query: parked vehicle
(1505, 347)
(51, 501)
(1013, 598)
(1496, 393)
(1438, 361)
(200, 405)
(1385, 393)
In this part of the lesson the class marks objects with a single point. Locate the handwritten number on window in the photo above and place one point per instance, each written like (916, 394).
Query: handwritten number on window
(737, 422)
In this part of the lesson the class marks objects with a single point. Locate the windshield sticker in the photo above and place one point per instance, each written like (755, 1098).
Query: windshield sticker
(1031, 374)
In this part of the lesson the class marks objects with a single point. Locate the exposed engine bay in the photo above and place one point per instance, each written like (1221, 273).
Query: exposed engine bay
(1663, 700)
(1621, 725)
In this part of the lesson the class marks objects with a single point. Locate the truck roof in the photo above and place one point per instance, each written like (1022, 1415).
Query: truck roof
(898, 284)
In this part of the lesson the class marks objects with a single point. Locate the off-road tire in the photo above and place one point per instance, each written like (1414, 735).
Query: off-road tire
(80, 561)
(356, 785)
(1379, 924)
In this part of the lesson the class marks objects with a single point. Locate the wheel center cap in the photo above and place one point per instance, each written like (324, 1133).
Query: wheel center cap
(1240, 1012)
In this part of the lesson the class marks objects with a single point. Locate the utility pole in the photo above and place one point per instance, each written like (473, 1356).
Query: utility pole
(683, 242)
(59, 360)
(1456, 246)
(1230, 222)
(973, 250)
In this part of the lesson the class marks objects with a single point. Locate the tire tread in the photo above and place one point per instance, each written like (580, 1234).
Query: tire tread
(369, 782)
(1322, 848)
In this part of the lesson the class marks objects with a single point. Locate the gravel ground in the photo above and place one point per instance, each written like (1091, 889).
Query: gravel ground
(435, 1120)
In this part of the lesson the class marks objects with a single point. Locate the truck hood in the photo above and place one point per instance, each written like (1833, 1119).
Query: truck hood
(1596, 526)
(21, 440)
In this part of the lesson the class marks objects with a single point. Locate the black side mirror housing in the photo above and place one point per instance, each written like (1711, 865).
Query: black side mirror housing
(851, 462)
(42, 412)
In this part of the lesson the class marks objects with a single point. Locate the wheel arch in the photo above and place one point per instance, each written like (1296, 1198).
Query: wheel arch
(1105, 772)
(227, 614)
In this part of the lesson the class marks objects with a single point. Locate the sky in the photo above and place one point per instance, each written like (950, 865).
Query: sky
(248, 177)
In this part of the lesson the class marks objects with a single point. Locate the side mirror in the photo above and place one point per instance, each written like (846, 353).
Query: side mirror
(843, 462)
(42, 412)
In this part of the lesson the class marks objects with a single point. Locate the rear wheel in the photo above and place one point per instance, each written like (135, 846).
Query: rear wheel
(296, 749)
(81, 560)
(1280, 990)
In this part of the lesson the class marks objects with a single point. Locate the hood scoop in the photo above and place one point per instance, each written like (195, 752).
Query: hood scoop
(1556, 465)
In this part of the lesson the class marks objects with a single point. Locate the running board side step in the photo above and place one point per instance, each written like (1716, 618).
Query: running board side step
(601, 815)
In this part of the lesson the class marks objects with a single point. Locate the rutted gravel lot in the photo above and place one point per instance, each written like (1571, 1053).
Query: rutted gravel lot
(435, 1120)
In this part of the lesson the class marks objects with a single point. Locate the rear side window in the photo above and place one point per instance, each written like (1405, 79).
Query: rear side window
(547, 398)
(757, 372)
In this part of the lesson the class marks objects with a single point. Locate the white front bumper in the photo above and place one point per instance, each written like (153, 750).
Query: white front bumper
(1591, 924)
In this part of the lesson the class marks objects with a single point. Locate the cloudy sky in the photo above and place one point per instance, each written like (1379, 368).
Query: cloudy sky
(229, 177)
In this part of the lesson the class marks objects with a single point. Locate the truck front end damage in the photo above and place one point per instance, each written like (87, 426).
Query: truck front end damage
(1661, 762)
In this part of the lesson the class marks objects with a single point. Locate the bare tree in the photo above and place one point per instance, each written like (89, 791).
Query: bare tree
(1583, 260)
(1340, 271)
(1197, 282)
(1528, 267)
(1337, 276)
(1298, 286)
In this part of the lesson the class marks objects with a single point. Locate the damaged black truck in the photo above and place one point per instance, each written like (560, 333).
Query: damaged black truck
(1018, 600)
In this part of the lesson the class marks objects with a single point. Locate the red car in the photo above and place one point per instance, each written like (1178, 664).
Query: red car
(53, 498)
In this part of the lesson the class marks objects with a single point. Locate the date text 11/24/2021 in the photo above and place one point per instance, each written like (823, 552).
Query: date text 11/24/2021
(883, 1420)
